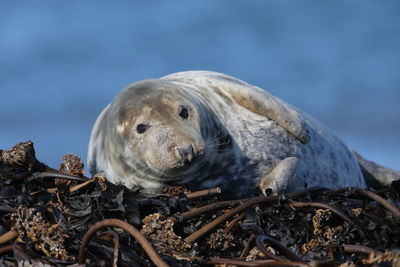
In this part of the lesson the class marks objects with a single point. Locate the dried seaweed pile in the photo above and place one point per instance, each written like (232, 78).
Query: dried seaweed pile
(60, 217)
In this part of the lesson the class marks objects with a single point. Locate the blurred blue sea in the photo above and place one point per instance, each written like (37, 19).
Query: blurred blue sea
(62, 62)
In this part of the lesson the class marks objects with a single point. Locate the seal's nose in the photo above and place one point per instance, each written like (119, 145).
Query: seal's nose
(186, 153)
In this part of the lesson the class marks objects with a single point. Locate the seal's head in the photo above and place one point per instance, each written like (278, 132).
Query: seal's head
(156, 132)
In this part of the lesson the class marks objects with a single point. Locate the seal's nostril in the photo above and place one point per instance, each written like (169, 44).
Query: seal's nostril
(190, 153)
(190, 149)
(186, 154)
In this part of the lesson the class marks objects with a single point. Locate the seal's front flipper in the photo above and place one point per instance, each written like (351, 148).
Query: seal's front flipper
(265, 104)
(376, 175)
(251, 97)
(279, 178)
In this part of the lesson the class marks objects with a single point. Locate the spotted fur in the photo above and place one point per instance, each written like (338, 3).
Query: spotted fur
(245, 133)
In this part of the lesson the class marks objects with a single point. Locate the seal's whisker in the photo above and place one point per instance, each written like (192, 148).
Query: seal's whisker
(215, 137)
(215, 141)
(219, 150)
(217, 145)
(220, 135)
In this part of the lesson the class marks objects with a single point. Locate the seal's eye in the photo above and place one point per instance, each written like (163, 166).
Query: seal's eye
(183, 112)
(141, 128)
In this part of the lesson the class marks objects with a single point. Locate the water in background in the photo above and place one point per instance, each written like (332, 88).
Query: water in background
(61, 62)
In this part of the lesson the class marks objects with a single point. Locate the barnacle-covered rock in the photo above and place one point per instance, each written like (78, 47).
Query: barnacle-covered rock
(21, 157)
(386, 257)
(324, 231)
(46, 237)
(162, 235)
(255, 254)
(72, 165)
(221, 240)
(174, 190)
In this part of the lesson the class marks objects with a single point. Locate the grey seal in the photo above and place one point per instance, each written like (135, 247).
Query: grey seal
(205, 129)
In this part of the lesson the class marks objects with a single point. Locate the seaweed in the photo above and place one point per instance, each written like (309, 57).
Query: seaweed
(60, 217)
